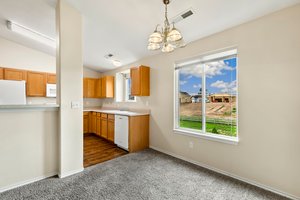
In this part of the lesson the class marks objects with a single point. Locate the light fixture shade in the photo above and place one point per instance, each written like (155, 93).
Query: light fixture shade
(174, 35)
(167, 48)
(179, 43)
(116, 63)
(34, 35)
(155, 37)
(153, 46)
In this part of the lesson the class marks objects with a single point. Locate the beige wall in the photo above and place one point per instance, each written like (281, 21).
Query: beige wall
(70, 73)
(269, 57)
(28, 146)
(14, 55)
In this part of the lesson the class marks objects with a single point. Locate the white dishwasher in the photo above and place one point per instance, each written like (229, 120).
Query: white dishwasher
(121, 131)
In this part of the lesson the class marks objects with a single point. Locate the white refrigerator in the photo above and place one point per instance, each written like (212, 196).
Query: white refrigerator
(12, 92)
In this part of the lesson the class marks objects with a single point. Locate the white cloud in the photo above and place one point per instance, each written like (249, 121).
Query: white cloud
(197, 86)
(211, 69)
(182, 82)
(226, 87)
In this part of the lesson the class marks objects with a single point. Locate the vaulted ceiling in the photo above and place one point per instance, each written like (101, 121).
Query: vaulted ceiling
(122, 27)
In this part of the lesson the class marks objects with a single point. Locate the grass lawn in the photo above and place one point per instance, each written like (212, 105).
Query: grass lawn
(222, 129)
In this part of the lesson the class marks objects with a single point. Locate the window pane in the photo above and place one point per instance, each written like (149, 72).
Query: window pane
(189, 97)
(221, 87)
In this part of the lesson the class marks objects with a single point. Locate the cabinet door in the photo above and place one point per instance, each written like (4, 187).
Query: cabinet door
(111, 130)
(1, 74)
(98, 88)
(98, 125)
(14, 74)
(91, 88)
(94, 123)
(36, 84)
(85, 123)
(103, 87)
(135, 81)
(51, 78)
(104, 128)
(85, 87)
(107, 87)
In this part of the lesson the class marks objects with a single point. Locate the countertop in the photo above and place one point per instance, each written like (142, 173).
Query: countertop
(117, 112)
(29, 106)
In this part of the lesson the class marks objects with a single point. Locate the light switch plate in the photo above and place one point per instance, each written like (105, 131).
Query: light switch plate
(75, 104)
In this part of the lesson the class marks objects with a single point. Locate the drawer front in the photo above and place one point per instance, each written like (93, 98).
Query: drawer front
(104, 115)
(110, 116)
(94, 113)
(98, 114)
(85, 113)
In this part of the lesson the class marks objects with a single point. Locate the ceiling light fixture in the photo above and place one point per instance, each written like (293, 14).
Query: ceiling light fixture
(168, 39)
(31, 34)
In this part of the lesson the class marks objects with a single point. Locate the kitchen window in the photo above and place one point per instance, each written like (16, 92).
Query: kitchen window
(123, 87)
(206, 96)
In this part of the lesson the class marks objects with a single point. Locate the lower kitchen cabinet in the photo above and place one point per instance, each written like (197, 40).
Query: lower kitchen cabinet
(93, 122)
(138, 133)
(98, 124)
(86, 122)
(111, 128)
(104, 125)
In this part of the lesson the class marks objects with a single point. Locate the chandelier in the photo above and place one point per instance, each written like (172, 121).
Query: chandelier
(168, 39)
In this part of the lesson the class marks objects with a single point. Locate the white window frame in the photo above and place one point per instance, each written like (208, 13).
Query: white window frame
(126, 93)
(202, 59)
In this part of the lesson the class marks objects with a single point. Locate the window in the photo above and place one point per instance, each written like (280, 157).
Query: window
(123, 87)
(206, 96)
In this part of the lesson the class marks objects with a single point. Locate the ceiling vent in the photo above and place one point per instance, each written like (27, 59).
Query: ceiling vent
(183, 15)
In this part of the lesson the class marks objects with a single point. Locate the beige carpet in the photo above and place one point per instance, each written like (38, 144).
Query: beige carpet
(144, 175)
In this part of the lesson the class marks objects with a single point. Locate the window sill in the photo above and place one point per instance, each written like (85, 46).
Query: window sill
(208, 136)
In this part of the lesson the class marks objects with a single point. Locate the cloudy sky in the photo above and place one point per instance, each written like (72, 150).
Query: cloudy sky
(220, 77)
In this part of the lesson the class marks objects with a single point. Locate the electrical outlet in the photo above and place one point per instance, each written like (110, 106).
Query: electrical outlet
(191, 144)
(75, 104)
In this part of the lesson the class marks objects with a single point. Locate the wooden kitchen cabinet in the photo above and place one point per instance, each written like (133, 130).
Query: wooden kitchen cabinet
(140, 81)
(86, 122)
(1, 73)
(15, 74)
(36, 84)
(93, 122)
(111, 127)
(98, 87)
(51, 78)
(98, 124)
(107, 87)
(104, 125)
(138, 133)
(89, 87)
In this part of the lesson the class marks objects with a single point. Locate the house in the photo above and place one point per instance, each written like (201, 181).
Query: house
(185, 97)
(92, 103)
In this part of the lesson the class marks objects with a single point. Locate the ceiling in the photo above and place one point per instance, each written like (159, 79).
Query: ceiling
(122, 27)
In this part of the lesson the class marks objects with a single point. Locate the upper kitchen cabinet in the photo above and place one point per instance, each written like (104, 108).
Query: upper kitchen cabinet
(89, 87)
(1, 74)
(140, 81)
(15, 74)
(98, 91)
(36, 84)
(107, 87)
(51, 78)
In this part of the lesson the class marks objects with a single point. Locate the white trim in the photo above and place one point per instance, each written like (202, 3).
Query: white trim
(69, 173)
(208, 136)
(26, 182)
(251, 182)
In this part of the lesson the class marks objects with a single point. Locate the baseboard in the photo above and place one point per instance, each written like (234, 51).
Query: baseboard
(22, 183)
(69, 173)
(265, 187)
